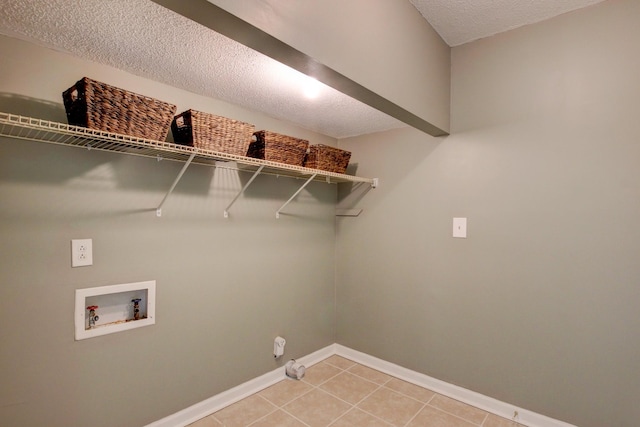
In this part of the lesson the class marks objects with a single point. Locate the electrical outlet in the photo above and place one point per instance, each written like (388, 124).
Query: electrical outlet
(81, 252)
(460, 228)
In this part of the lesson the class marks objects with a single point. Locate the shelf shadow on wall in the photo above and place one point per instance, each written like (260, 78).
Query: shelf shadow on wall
(345, 194)
(149, 174)
(350, 193)
(262, 187)
(33, 161)
(32, 107)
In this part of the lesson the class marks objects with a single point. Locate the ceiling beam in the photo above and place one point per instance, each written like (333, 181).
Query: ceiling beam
(229, 25)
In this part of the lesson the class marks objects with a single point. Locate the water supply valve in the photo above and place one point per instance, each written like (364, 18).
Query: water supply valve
(93, 317)
(136, 308)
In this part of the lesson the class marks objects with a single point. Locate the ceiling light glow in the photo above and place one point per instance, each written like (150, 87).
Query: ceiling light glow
(311, 88)
(293, 82)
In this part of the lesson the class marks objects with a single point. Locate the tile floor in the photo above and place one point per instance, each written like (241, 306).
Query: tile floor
(340, 393)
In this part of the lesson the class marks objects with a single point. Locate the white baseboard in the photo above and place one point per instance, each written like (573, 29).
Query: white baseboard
(489, 404)
(213, 404)
(226, 398)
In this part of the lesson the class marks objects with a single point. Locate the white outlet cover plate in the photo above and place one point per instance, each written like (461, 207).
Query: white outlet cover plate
(460, 227)
(81, 252)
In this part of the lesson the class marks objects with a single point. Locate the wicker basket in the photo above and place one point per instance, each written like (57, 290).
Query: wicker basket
(211, 132)
(278, 148)
(99, 106)
(327, 158)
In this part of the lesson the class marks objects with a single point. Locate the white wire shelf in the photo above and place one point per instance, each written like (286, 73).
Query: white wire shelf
(32, 129)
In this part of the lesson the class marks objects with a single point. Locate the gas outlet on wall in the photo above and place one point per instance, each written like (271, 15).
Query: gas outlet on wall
(81, 252)
(278, 347)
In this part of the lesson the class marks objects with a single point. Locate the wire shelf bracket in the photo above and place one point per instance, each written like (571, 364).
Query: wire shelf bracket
(175, 182)
(254, 176)
(295, 194)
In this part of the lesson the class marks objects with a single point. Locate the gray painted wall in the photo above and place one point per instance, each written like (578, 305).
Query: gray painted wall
(225, 287)
(539, 305)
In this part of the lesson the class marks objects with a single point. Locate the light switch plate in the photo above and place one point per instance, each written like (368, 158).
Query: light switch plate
(81, 252)
(460, 227)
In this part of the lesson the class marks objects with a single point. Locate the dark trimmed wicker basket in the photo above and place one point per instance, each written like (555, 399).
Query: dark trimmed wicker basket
(95, 105)
(279, 148)
(327, 158)
(211, 132)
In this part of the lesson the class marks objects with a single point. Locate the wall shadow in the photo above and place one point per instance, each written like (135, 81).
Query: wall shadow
(33, 107)
(32, 161)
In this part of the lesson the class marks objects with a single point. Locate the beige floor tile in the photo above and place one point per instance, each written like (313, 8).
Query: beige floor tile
(411, 390)
(432, 417)
(392, 407)
(319, 373)
(339, 362)
(317, 408)
(206, 422)
(327, 394)
(278, 419)
(369, 374)
(349, 387)
(462, 410)
(285, 391)
(244, 412)
(358, 418)
(496, 421)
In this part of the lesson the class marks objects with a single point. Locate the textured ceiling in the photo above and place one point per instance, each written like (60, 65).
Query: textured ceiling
(145, 39)
(126, 34)
(462, 21)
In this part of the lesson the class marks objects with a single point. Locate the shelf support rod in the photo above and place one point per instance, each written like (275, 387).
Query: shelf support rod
(175, 182)
(295, 194)
(255, 175)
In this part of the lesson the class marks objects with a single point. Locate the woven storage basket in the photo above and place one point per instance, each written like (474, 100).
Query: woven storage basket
(278, 148)
(211, 132)
(99, 106)
(327, 158)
